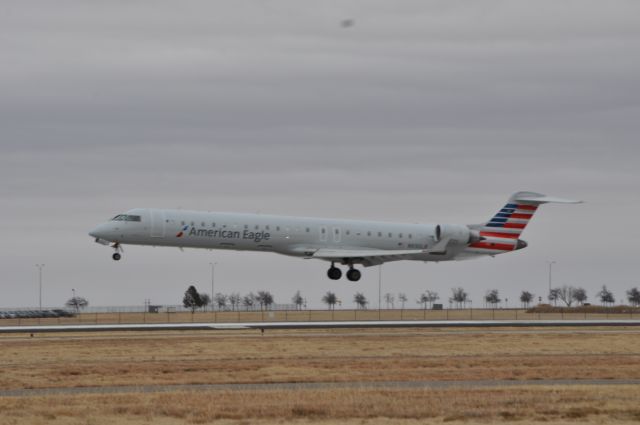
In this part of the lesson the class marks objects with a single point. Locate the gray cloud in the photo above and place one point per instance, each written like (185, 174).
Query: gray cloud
(422, 111)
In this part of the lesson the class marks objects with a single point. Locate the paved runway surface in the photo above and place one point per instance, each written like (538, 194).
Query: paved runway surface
(34, 392)
(319, 325)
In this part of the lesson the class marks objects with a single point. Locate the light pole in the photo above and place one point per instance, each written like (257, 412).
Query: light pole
(74, 299)
(379, 290)
(40, 266)
(213, 271)
(551, 263)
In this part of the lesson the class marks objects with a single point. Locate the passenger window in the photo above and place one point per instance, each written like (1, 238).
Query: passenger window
(348, 232)
(368, 233)
(410, 236)
(203, 225)
(257, 227)
(213, 224)
(308, 230)
(379, 234)
(400, 235)
(324, 230)
(192, 223)
(278, 228)
(246, 226)
(182, 223)
(390, 235)
(266, 227)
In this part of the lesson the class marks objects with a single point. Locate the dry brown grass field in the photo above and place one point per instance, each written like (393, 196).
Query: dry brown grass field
(216, 357)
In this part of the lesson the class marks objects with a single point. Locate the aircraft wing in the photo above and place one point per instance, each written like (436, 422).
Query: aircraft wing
(368, 257)
(374, 257)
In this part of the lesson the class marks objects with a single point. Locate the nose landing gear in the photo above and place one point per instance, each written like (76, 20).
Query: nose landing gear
(116, 255)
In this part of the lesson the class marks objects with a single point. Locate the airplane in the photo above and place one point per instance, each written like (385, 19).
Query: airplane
(345, 242)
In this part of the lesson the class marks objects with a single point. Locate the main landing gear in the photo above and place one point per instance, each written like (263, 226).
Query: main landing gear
(116, 255)
(335, 273)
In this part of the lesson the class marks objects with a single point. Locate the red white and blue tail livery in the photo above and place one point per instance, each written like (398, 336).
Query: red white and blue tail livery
(502, 233)
(346, 242)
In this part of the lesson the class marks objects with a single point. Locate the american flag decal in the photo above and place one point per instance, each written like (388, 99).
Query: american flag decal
(181, 232)
(504, 228)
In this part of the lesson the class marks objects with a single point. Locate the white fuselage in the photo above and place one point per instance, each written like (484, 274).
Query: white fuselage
(296, 236)
(347, 242)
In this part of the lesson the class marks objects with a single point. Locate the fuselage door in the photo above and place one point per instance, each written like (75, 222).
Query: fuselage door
(337, 235)
(323, 233)
(157, 223)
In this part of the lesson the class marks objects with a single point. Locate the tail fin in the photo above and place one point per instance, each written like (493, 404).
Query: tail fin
(503, 231)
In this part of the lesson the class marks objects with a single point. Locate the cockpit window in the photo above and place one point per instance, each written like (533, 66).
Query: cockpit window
(126, 217)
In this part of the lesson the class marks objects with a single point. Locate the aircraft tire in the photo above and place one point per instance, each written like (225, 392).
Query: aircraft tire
(354, 275)
(116, 256)
(334, 273)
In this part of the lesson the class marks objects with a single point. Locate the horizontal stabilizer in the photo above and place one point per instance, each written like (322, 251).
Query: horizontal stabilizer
(538, 198)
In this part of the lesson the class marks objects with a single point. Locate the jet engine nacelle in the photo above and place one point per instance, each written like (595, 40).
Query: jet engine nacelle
(457, 233)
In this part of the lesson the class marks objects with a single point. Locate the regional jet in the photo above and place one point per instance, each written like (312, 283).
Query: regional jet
(343, 242)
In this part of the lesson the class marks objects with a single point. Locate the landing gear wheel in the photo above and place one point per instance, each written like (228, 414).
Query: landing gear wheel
(354, 275)
(334, 273)
(116, 256)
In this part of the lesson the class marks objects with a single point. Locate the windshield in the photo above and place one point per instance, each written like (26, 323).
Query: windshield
(126, 217)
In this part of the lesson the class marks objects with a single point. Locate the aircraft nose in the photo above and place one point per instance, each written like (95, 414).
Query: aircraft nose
(98, 232)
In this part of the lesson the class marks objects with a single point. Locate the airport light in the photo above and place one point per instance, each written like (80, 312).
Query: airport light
(551, 263)
(379, 289)
(40, 266)
(213, 272)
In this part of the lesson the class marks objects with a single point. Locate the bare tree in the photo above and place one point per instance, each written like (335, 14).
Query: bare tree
(265, 299)
(191, 299)
(633, 295)
(297, 300)
(492, 297)
(248, 301)
(205, 299)
(77, 303)
(459, 296)
(432, 296)
(389, 299)
(580, 295)
(221, 301)
(330, 299)
(235, 299)
(360, 300)
(423, 300)
(525, 298)
(402, 297)
(566, 294)
(606, 296)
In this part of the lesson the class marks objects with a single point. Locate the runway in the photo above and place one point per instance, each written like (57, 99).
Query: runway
(319, 325)
(35, 392)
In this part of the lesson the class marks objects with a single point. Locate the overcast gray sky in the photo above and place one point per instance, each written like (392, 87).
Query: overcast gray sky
(422, 111)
